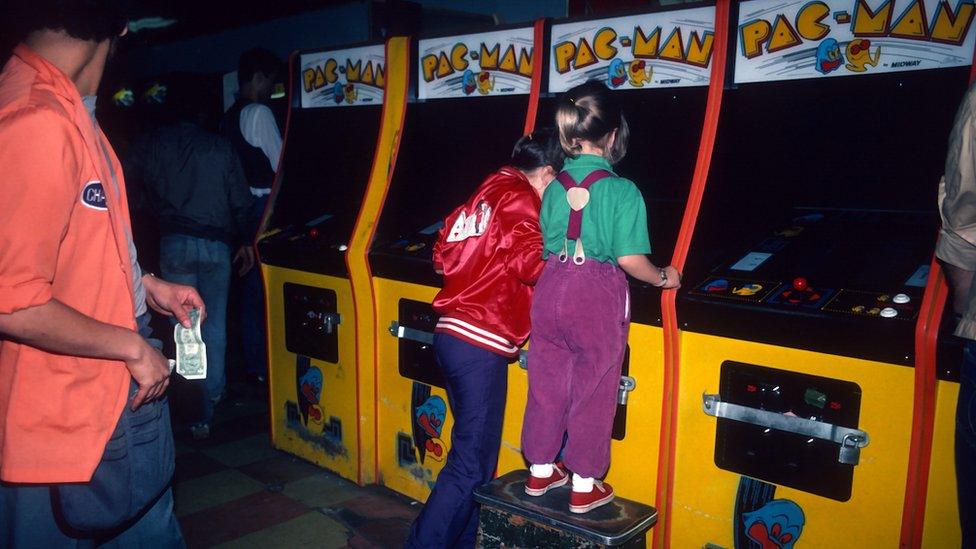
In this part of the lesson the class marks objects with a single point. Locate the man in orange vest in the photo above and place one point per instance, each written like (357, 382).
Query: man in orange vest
(73, 365)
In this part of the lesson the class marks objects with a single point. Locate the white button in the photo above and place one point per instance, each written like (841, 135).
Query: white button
(901, 298)
(888, 312)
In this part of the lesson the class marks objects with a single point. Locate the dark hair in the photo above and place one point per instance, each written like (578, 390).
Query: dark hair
(538, 149)
(95, 20)
(589, 112)
(256, 60)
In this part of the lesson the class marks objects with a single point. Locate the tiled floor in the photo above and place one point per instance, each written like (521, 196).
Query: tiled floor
(235, 490)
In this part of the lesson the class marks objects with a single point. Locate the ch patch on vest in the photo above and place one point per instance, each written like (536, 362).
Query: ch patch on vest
(467, 226)
(93, 196)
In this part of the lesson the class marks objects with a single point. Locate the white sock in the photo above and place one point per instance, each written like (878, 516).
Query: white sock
(582, 484)
(543, 470)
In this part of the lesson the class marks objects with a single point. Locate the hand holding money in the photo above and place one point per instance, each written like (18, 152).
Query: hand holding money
(173, 299)
(191, 351)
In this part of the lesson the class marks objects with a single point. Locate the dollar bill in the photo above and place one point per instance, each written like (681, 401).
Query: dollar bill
(191, 351)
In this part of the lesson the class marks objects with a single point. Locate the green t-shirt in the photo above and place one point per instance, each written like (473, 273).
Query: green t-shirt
(614, 220)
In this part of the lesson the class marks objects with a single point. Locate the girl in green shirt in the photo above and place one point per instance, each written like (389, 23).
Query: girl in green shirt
(594, 226)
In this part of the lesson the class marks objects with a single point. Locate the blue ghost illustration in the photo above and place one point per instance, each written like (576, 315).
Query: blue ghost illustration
(829, 57)
(616, 73)
(468, 83)
(776, 525)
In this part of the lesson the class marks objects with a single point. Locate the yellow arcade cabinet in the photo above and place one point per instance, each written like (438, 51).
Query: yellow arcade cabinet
(806, 272)
(474, 99)
(346, 107)
(658, 63)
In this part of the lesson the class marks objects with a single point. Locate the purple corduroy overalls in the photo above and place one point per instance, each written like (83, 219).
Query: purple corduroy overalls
(580, 319)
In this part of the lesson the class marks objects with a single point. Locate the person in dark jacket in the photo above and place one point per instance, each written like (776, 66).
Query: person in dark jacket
(193, 183)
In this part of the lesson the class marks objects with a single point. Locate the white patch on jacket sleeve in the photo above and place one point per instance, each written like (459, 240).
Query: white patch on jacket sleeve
(466, 226)
(93, 196)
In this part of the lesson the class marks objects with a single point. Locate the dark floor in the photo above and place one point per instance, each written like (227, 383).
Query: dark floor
(235, 490)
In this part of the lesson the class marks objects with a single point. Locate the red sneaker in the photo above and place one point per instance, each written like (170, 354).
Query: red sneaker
(582, 502)
(535, 486)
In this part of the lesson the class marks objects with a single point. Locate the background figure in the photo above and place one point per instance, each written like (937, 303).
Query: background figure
(193, 184)
(251, 127)
(957, 251)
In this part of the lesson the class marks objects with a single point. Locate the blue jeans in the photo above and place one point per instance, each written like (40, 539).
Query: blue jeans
(966, 445)
(477, 382)
(28, 519)
(205, 265)
(252, 307)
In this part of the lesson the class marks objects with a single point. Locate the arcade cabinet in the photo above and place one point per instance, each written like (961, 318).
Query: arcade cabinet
(806, 273)
(345, 111)
(658, 63)
(474, 100)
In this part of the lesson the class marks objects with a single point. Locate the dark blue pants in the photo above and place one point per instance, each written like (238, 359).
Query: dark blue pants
(252, 307)
(966, 445)
(477, 381)
(205, 265)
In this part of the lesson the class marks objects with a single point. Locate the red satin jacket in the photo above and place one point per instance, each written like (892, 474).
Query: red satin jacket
(490, 251)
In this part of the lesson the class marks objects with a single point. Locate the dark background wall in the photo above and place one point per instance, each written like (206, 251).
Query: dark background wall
(344, 23)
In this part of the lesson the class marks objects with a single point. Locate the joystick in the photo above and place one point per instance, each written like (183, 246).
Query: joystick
(801, 292)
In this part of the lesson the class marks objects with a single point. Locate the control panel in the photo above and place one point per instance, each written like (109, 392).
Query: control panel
(408, 256)
(318, 245)
(419, 245)
(800, 294)
(836, 281)
(766, 452)
(312, 322)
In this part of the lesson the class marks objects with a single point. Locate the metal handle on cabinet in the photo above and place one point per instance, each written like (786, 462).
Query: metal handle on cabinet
(323, 322)
(330, 321)
(412, 334)
(850, 440)
(627, 384)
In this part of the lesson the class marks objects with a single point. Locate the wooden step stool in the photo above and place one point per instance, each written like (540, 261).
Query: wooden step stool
(510, 518)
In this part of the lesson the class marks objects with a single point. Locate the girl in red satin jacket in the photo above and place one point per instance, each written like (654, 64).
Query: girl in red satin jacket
(490, 253)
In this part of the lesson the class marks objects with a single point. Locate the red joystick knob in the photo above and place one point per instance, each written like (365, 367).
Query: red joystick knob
(314, 233)
(800, 283)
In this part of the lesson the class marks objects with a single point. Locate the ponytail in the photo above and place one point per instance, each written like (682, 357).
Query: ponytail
(589, 112)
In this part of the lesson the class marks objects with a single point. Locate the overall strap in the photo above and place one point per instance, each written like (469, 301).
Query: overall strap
(576, 216)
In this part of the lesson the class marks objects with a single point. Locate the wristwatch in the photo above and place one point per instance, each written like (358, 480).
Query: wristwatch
(664, 278)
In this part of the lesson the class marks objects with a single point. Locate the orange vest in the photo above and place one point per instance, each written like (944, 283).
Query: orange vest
(62, 236)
